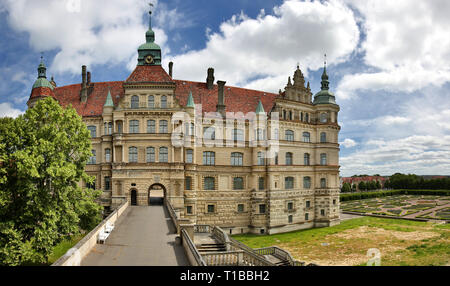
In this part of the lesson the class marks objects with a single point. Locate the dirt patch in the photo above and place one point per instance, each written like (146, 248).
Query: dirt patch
(374, 233)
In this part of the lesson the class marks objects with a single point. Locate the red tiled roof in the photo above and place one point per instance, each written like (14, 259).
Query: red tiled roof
(41, 92)
(149, 74)
(363, 179)
(236, 99)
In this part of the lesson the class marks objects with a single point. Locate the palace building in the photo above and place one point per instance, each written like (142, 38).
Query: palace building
(219, 175)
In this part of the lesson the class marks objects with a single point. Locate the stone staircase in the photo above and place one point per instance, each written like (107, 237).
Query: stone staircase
(205, 248)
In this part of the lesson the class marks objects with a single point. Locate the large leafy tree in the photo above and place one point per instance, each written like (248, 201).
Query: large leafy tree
(43, 154)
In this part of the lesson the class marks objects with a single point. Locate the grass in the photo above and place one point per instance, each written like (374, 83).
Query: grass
(401, 242)
(61, 248)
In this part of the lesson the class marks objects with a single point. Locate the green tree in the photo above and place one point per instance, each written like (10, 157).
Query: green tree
(354, 188)
(378, 185)
(346, 188)
(43, 155)
(362, 186)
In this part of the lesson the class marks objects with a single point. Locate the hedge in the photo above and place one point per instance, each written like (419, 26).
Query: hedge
(367, 195)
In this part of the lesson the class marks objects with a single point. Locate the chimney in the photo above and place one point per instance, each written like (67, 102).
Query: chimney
(221, 100)
(83, 84)
(88, 78)
(210, 79)
(170, 68)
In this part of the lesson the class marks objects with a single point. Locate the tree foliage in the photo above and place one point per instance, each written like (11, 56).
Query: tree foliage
(414, 182)
(346, 188)
(43, 154)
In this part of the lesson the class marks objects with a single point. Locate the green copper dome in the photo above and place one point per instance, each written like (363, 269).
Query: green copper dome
(42, 80)
(149, 53)
(324, 96)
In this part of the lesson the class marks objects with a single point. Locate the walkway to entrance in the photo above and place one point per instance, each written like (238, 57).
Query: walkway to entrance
(143, 236)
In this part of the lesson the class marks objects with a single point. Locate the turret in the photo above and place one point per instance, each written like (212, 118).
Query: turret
(42, 87)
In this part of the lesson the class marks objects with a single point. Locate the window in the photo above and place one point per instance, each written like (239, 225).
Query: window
(322, 212)
(237, 159)
(210, 208)
(261, 183)
(262, 209)
(289, 134)
(189, 156)
(276, 158)
(133, 154)
(306, 216)
(209, 133)
(307, 117)
(290, 206)
(150, 154)
(307, 182)
(119, 127)
(240, 208)
(301, 116)
(288, 158)
(238, 135)
(290, 115)
(151, 101)
(163, 101)
(93, 131)
(189, 129)
(188, 183)
(323, 159)
(163, 129)
(261, 159)
(289, 183)
(323, 137)
(306, 137)
(260, 134)
(238, 183)
(209, 184)
(290, 219)
(107, 183)
(323, 183)
(92, 160)
(151, 126)
(134, 126)
(323, 118)
(108, 128)
(276, 134)
(163, 155)
(334, 202)
(209, 158)
(284, 114)
(91, 185)
(306, 159)
(135, 102)
(107, 155)
(189, 209)
(308, 204)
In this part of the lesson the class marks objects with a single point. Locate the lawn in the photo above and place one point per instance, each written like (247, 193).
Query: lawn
(61, 248)
(401, 242)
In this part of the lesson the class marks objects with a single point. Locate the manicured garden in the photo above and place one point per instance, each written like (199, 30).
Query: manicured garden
(401, 242)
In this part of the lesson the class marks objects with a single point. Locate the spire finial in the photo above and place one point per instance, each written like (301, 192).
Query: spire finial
(150, 12)
(298, 65)
(325, 60)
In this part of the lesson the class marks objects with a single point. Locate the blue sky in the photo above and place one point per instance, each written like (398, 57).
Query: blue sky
(388, 60)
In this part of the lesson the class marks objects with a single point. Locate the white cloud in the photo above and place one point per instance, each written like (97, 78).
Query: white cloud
(6, 110)
(97, 34)
(268, 47)
(348, 143)
(408, 45)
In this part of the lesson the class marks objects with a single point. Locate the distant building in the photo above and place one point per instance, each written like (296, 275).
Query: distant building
(357, 180)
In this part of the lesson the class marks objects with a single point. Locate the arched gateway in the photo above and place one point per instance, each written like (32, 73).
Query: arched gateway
(156, 194)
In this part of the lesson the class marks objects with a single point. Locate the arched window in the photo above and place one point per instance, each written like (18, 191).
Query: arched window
(323, 118)
(151, 126)
(289, 158)
(306, 137)
(238, 183)
(323, 159)
(135, 102)
(306, 159)
(237, 159)
(107, 155)
(151, 101)
(93, 130)
(119, 125)
(289, 183)
(133, 154)
(163, 155)
(307, 182)
(209, 158)
(163, 101)
(323, 137)
(163, 129)
(189, 156)
(261, 159)
(150, 154)
(323, 183)
(289, 134)
(134, 126)
(209, 183)
(260, 134)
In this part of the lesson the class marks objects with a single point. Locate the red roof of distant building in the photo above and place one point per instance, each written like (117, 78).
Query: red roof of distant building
(352, 180)
(236, 99)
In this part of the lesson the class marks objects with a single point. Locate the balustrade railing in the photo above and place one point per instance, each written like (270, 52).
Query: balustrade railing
(192, 249)
(202, 228)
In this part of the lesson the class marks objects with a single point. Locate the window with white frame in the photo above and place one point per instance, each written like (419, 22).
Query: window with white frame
(163, 155)
(209, 158)
(151, 102)
(306, 137)
(135, 102)
(289, 160)
(163, 127)
(93, 131)
(323, 159)
(189, 156)
(107, 155)
(150, 154)
(289, 135)
(163, 101)
(133, 154)
(134, 126)
(261, 159)
(237, 159)
(151, 126)
(307, 182)
(289, 183)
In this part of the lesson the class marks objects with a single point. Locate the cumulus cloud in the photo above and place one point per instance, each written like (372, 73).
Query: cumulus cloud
(408, 45)
(348, 143)
(93, 34)
(6, 110)
(262, 52)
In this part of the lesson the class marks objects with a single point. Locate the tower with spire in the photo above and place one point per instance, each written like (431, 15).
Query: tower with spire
(42, 87)
(324, 96)
(150, 52)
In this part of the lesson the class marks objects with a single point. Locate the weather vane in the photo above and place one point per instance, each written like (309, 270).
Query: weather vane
(325, 56)
(151, 7)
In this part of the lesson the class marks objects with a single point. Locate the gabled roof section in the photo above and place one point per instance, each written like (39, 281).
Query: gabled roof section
(149, 74)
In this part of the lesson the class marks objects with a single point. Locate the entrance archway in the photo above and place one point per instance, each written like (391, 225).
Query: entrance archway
(133, 197)
(156, 194)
